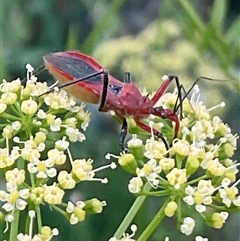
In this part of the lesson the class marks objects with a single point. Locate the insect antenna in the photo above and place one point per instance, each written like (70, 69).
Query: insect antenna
(180, 99)
(74, 82)
(36, 71)
(127, 77)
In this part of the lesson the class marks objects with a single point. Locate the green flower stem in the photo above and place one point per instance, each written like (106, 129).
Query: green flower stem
(39, 218)
(14, 226)
(197, 179)
(157, 193)
(17, 109)
(32, 180)
(179, 210)
(15, 222)
(10, 117)
(219, 208)
(59, 210)
(163, 181)
(131, 213)
(154, 223)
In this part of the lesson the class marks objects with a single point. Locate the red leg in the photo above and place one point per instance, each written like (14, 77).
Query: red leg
(162, 89)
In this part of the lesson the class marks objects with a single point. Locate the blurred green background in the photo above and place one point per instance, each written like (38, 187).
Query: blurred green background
(149, 39)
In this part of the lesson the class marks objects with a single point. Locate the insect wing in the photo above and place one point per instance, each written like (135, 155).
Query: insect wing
(72, 65)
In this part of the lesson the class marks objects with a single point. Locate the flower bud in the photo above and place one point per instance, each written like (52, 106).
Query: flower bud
(94, 206)
(192, 164)
(167, 164)
(37, 195)
(45, 233)
(136, 147)
(29, 107)
(9, 98)
(217, 220)
(7, 132)
(80, 213)
(40, 137)
(170, 209)
(181, 147)
(221, 130)
(3, 107)
(128, 162)
(226, 151)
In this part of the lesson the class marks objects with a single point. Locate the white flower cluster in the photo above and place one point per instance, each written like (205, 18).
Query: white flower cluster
(36, 131)
(197, 169)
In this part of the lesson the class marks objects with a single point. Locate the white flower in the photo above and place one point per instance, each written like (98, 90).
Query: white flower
(57, 125)
(187, 226)
(126, 236)
(229, 194)
(74, 134)
(135, 185)
(15, 198)
(43, 169)
(199, 238)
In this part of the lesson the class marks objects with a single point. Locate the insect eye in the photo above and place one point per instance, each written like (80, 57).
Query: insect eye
(164, 115)
(115, 89)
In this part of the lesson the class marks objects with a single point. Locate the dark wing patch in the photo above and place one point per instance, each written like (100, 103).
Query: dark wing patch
(76, 68)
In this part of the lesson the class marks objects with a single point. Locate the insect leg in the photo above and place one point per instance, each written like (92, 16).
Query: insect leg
(162, 89)
(123, 134)
(104, 91)
(155, 132)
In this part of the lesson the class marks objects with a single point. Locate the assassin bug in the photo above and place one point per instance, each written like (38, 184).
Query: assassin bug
(94, 85)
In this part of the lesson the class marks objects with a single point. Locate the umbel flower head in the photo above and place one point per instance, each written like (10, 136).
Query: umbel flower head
(36, 132)
(197, 171)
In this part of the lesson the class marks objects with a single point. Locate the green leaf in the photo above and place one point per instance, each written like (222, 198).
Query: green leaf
(218, 14)
(101, 26)
(192, 14)
(72, 40)
(233, 32)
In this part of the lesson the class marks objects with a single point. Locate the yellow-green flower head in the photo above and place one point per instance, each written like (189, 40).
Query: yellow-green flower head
(82, 169)
(177, 177)
(53, 194)
(15, 176)
(37, 195)
(66, 180)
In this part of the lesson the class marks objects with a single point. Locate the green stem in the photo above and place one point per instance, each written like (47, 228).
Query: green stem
(179, 210)
(14, 226)
(131, 213)
(10, 117)
(59, 210)
(15, 222)
(157, 193)
(39, 218)
(197, 179)
(154, 223)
